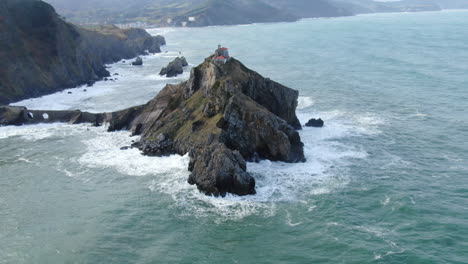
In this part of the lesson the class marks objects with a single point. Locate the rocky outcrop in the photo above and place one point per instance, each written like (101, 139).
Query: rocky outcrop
(174, 68)
(138, 62)
(223, 116)
(40, 53)
(315, 123)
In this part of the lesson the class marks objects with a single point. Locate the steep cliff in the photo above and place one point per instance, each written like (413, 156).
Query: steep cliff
(40, 53)
(223, 116)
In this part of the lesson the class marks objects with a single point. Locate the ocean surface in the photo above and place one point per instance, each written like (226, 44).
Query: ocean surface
(386, 180)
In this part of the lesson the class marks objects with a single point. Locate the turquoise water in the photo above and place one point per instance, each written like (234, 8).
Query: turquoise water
(385, 182)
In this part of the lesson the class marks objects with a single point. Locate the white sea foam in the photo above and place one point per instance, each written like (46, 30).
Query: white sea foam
(277, 182)
(386, 201)
(38, 132)
(345, 123)
(157, 77)
(304, 102)
(104, 151)
(290, 222)
(160, 31)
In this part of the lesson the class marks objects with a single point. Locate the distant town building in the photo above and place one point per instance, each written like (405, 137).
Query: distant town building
(169, 20)
(192, 19)
(132, 25)
(184, 24)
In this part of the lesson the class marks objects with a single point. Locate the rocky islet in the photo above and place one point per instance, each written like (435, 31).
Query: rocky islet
(223, 116)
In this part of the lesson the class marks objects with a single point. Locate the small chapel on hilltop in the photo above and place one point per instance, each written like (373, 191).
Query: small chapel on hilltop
(221, 55)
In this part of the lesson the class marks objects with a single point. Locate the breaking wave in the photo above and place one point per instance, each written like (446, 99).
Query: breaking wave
(325, 170)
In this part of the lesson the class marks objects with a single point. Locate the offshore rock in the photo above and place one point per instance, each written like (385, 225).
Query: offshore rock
(315, 123)
(174, 68)
(223, 116)
(138, 62)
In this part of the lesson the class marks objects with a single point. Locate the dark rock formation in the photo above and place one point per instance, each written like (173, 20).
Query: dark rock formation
(153, 44)
(13, 115)
(223, 116)
(174, 68)
(40, 53)
(138, 62)
(315, 123)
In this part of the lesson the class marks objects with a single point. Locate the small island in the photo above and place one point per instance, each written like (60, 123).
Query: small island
(223, 116)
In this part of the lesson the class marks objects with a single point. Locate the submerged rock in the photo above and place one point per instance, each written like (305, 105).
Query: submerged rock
(174, 68)
(315, 123)
(138, 62)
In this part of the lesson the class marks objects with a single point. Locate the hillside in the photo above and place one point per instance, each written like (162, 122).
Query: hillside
(311, 9)
(40, 53)
(370, 6)
(194, 12)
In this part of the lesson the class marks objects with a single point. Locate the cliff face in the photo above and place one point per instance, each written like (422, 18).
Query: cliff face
(223, 116)
(40, 53)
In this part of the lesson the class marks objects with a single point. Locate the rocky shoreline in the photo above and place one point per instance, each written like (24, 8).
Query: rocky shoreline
(223, 116)
(40, 53)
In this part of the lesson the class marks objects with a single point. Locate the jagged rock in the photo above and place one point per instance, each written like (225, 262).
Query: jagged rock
(138, 62)
(315, 123)
(221, 117)
(218, 170)
(255, 132)
(174, 68)
(11, 115)
(161, 146)
(153, 45)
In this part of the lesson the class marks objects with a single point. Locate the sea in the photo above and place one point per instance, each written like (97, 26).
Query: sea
(386, 178)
